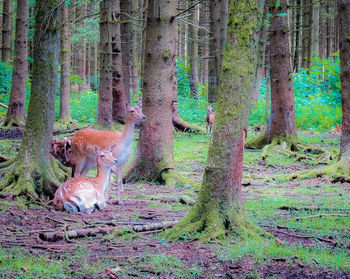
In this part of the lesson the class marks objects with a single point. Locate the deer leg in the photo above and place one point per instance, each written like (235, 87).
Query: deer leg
(88, 165)
(80, 164)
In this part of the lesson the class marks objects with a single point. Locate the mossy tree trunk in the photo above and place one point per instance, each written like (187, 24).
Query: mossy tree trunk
(118, 90)
(105, 97)
(16, 111)
(154, 158)
(282, 117)
(65, 65)
(344, 46)
(219, 208)
(32, 172)
(193, 51)
(125, 32)
(6, 47)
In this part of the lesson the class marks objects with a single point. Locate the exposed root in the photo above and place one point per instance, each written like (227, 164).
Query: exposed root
(338, 172)
(290, 147)
(7, 123)
(172, 178)
(29, 180)
(206, 222)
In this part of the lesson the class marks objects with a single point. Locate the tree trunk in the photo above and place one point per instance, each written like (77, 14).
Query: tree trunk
(204, 38)
(16, 111)
(315, 29)
(134, 49)
(118, 90)
(219, 208)
(1, 35)
(322, 30)
(125, 30)
(214, 49)
(282, 119)
(87, 65)
(7, 30)
(155, 146)
(65, 65)
(344, 44)
(298, 27)
(105, 97)
(330, 28)
(307, 33)
(94, 64)
(32, 172)
(81, 51)
(193, 51)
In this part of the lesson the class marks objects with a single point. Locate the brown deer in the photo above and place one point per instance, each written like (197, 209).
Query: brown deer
(84, 141)
(82, 194)
(209, 118)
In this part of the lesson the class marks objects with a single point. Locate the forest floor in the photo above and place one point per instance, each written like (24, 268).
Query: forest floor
(315, 247)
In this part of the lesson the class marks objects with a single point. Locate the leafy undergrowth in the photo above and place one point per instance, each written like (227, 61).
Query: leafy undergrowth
(310, 219)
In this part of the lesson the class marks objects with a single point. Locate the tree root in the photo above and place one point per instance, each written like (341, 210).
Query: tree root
(290, 147)
(172, 178)
(338, 172)
(7, 123)
(29, 180)
(206, 222)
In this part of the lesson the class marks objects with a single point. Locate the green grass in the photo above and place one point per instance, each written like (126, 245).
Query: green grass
(261, 250)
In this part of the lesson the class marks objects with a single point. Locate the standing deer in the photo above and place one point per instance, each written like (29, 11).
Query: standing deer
(209, 118)
(82, 194)
(83, 143)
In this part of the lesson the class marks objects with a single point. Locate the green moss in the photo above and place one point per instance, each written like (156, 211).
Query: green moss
(166, 53)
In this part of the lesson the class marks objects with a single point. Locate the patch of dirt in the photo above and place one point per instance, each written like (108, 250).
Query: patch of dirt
(22, 228)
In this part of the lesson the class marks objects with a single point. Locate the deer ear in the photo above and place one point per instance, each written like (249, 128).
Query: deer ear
(113, 148)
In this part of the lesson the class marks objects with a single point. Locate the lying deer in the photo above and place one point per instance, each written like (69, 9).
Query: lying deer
(83, 143)
(209, 118)
(82, 194)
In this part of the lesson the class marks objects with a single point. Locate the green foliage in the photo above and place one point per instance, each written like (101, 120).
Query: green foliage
(5, 78)
(317, 96)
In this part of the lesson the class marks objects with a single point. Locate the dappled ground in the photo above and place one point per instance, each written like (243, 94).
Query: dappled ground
(38, 242)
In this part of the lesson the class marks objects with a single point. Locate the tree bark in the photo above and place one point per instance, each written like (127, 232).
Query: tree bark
(105, 97)
(344, 44)
(298, 27)
(306, 34)
(204, 39)
(193, 51)
(219, 208)
(118, 90)
(65, 65)
(81, 51)
(322, 30)
(32, 173)
(315, 29)
(134, 73)
(282, 119)
(154, 158)
(330, 28)
(125, 30)
(7, 31)
(214, 50)
(1, 27)
(16, 111)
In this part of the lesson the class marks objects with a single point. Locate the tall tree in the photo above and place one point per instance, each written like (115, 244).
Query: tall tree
(81, 47)
(134, 48)
(7, 31)
(340, 171)
(219, 208)
(16, 111)
(125, 33)
(307, 33)
(118, 89)
(282, 116)
(105, 97)
(65, 65)
(193, 51)
(32, 173)
(204, 40)
(154, 158)
(218, 21)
